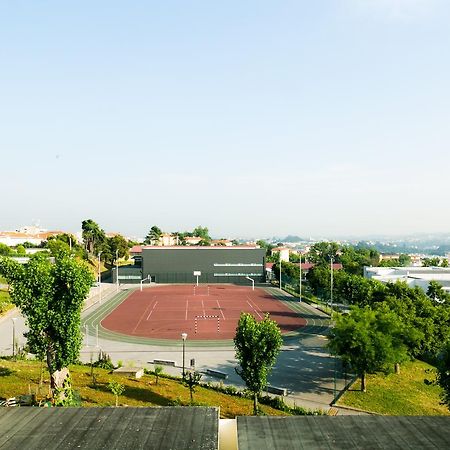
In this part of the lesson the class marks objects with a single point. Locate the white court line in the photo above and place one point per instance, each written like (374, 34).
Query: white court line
(187, 305)
(220, 309)
(203, 306)
(140, 320)
(256, 311)
(152, 310)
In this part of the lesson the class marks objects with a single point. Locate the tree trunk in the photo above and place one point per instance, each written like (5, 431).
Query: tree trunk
(59, 380)
(397, 368)
(363, 382)
(255, 404)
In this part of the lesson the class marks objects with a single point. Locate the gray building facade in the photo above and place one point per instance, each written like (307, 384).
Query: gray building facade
(213, 264)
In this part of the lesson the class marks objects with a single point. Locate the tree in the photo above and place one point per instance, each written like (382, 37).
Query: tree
(117, 389)
(50, 296)
(202, 232)
(93, 236)
(368, 341)
(153, 236)
(443, 374)
(257, 345)
(431, 262)
(192, 380)
(158, 371)
(321, 252)
(117, 245)
(4, 250)
(437, 293)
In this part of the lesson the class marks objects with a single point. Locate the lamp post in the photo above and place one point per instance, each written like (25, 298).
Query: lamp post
(99, 278)
(14, 336)
(300, 281)
(183, 337)
(117, 270)
(331, 282)
(280, 270)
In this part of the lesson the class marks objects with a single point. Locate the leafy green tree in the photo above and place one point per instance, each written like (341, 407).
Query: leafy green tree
(202, 232)
(444, 262)
(321, 253)
(319, 281)
(93, 236)
(443, 374)
(158, 371)
(354, 259)
(436, 292)
(368, 341)
(404, 260)
(153, 236)
(20, 250)
(58, 247)
(5, 250)
(192, 380)
(204, 242)
(117, 245)
(50, 296)
(117, 389)
(257, 345)
(431, 262)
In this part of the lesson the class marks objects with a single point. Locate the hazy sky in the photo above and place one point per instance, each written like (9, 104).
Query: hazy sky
(254, 118)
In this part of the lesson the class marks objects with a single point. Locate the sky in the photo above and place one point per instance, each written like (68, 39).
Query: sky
(254, 118)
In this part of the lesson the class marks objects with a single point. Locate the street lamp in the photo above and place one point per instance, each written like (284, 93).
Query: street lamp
(300, 280)
(14, 336)
(331, 282)
(183, 337)
(117, 270)
(99, 278)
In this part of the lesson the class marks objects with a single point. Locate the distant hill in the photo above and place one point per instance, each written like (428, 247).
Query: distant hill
(291, 238)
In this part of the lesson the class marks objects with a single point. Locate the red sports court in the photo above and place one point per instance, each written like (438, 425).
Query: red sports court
(204, 312)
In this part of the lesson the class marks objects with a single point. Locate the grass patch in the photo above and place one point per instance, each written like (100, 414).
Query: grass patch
(5, 302)
(22, 377)
(405, 394)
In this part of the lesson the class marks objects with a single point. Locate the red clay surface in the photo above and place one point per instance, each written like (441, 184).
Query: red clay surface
(164, 312)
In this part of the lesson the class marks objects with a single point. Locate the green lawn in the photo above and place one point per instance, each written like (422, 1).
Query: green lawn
(22, 377)
(5, 302)
(405, 394)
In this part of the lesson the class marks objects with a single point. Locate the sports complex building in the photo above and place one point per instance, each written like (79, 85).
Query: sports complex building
(184, 264)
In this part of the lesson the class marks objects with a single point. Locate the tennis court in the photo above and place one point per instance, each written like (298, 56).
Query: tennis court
(206, 312)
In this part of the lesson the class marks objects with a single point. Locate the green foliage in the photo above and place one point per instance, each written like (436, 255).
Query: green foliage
(436, 292)
(368, 341)
(443, 374)
(117, 389)
(93, 236)
(50, 296)
(158, 372)
(116, 245)
(321, 253)
(5, 250)
(191, 379)
(257, 345)
(202, 232)
(354, 259)
(153, 236)
(103, 361)
(431, 262)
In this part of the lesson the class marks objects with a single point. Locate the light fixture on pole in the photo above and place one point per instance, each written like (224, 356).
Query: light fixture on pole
(117, 270)
(280, 270)
(183, 337)
(14, 336)
(300, 280)
(99, 277)
(331, 282)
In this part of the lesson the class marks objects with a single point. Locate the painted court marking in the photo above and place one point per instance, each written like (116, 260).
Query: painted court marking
(140, 320)
(254, 309)
(220, 309)
(148, 317)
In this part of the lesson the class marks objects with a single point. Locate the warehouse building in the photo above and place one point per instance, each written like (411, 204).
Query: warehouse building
(184, 264)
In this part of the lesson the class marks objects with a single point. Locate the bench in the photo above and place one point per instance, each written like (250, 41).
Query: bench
(135, 372)
(276, 390)
(217, 373)
(164, 362)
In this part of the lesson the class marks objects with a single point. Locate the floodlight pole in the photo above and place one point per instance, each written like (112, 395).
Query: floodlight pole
(300, 281)
(117, 270)
(99, 277)
(331, 282)
(183, 337)
(253, 282)
(280, 272)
